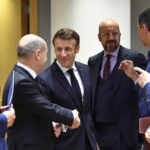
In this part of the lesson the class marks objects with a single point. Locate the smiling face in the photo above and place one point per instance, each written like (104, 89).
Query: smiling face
(65, 51)
(109, 35)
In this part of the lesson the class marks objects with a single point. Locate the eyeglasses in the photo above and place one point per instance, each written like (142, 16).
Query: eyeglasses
(107, 34)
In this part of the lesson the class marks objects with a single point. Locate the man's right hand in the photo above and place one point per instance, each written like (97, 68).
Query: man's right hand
(144, 76)
(128, 67)
(76, 122)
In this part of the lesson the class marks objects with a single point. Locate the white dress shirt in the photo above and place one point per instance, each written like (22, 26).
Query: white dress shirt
(76, 73)
(67, 75)
(32, 72)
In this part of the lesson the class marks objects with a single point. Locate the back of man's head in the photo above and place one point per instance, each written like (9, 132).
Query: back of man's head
(28, 44)
(144, 18)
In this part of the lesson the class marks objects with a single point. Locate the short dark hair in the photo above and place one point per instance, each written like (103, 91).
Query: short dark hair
(144, 18)
(66, 34)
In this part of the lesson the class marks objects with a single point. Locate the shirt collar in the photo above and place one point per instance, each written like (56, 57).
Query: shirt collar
(32, 72)
(65, 69)
(115, 53)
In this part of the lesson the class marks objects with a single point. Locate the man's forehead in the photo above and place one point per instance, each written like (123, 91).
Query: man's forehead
(109, 28)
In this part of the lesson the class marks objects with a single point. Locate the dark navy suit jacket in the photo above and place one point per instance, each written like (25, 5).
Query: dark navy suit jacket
(32, 128)
(119, 104)
(55, 85)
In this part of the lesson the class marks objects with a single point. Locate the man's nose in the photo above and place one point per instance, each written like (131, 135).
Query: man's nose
(111, 36)
(63, 53)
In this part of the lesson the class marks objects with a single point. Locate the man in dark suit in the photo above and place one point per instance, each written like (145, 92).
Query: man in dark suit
(58, 84)
(32, 129)
(137, 74)
(115, 101)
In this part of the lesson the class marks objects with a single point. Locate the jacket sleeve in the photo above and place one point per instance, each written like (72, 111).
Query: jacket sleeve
(3, 125)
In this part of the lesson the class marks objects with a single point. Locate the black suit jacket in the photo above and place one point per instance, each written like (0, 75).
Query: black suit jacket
(56, 87)
(122, 96)
(34, 113)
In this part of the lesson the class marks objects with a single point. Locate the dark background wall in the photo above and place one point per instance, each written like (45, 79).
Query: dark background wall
(44, 23)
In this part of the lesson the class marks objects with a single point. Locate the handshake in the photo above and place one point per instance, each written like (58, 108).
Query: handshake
(76, 122)
(58, 127)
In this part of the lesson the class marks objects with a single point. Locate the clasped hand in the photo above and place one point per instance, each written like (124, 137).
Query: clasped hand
(76, 123)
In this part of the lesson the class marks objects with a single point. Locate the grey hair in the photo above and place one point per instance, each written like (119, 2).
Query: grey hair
(31, 43)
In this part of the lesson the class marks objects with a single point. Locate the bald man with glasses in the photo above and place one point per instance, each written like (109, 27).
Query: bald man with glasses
(115, 101)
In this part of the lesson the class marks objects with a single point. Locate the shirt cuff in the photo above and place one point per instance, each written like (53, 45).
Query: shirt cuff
(64, 129)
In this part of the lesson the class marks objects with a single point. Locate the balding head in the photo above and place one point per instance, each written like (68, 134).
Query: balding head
(109, 35)
(28, 44)
(108, 23)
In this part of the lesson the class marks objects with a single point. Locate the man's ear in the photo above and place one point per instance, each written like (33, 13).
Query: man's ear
(77, 49)
(144, 28)
(37, 54)
(99, 36)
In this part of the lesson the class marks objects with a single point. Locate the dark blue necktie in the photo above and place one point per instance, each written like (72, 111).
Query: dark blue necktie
(75, 85)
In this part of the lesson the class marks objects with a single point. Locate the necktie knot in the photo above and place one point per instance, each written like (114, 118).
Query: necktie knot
(70, 71)
(108, 56)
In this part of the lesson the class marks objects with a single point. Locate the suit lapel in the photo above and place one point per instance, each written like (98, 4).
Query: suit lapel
(116, 74)
(83, 76)
(64, 82)
(96, 73)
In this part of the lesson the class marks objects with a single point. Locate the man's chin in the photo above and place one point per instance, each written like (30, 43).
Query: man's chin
(64, 65)
(110, 49)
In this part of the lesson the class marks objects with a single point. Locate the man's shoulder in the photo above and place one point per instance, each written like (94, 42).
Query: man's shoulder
(81, 65)
(130, 51)
(45, 73)
(96, 56)
(21, 74)
(137, 57)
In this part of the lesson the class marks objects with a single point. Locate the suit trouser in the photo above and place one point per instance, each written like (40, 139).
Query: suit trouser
(87, 144)
(123, 146)
(109, 138)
